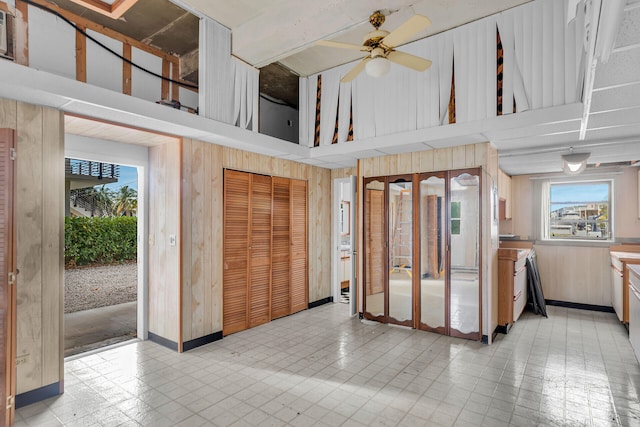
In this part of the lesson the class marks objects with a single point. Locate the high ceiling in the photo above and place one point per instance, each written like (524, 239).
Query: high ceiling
(279, 36)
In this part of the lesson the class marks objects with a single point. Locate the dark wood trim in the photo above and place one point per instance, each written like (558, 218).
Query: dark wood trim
(166, 73)
(199, 342)
(172, 345)
(39, 394)
(320, 302)
(81, 54)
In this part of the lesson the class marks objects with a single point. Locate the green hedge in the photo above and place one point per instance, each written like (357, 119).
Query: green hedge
(100, 240)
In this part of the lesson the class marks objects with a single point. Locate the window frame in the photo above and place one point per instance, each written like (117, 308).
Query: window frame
(546, 210)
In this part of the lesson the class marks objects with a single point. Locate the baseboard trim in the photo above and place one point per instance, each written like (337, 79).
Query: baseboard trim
(199, 342)
(320, 302)
(42, 393)
(590, 307)
(494, 334)
(504, 329)
(171, 345)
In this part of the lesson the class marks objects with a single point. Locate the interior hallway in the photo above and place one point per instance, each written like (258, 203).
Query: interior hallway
(318, 367)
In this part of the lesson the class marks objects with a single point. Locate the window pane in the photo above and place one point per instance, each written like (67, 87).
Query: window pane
(579, 210)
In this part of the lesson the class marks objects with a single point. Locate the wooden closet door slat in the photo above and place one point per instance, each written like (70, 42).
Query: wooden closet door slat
(299, 282)
(235, 246)
(280, 305)
(260, 251)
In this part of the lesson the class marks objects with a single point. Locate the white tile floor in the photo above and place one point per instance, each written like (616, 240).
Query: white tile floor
(319, 367)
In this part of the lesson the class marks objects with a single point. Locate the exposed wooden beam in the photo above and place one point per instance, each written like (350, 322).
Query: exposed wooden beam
(126, 69)
(81, 55)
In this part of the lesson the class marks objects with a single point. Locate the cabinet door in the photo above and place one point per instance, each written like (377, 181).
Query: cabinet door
(299, 274)
(260, 251)
(237, 188)
(280, 304)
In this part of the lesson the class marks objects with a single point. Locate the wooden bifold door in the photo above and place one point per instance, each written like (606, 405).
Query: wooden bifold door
(265, 249)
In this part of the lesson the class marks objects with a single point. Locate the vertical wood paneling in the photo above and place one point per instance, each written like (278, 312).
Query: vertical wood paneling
(319, 190)
(299, 288)
(164, 257)
(30, 245)
(470, 156)
(53, 250)
(191, 258)
(8, 113)
(215, 223)
(442, 159)
(458, 157)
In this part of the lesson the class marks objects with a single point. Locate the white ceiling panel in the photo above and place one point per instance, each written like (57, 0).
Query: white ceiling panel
(617, 98)
(622, 68)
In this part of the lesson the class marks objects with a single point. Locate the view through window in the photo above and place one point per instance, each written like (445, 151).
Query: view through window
(580, 210)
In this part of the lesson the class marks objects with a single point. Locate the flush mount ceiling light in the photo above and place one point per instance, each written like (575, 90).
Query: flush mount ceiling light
(574, 163)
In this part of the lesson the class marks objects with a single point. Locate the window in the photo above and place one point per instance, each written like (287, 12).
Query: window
(580, 210)
(455, 217)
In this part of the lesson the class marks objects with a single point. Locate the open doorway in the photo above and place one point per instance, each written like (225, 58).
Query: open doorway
(344, 237)
(120, 312)
(101, 248)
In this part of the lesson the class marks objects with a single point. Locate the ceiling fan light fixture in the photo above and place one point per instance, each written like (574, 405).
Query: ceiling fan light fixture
(378, 67)
(574, 163)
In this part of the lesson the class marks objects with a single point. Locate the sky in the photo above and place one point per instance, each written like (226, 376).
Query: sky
(578, 193)
(128, 176)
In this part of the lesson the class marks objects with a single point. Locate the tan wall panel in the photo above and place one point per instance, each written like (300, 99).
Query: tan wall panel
(575, 274)
(319, 190)
(8, 113)
(164, 259)
(39, 198)
(627, 210)
(30, 246)
(342, 173)
(53, 251)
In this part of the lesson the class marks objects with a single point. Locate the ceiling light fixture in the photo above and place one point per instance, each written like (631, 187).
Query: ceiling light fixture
(378, 65)
(574, 163)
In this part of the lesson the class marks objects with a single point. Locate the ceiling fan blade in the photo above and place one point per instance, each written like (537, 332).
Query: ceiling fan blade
(329, 43)
(353, 73)
(411, 26)
(411, 61)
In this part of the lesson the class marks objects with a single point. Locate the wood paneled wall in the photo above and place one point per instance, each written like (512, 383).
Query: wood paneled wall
(40, 241)
(441, 159)
(201, 251)
(201, 238)
(164, 240)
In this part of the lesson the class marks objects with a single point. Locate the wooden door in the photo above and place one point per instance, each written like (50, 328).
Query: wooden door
(260, 251)
(280, 259)
(7, 267)
(235, 297)
(299, 295)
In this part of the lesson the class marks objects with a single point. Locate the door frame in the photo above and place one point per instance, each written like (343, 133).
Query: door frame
(83, 148)
(335, 242)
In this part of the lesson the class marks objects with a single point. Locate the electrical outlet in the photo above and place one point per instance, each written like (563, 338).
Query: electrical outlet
(21, 360)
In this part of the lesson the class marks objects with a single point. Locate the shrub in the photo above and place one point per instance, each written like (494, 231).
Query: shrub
(100, 240)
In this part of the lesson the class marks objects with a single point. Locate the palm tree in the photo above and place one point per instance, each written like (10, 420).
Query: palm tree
(126, 202)
(104, 200)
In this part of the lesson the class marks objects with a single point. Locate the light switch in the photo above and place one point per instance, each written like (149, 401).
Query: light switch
(172, 239)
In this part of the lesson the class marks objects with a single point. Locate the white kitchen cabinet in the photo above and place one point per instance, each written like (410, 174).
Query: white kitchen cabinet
(634, 308)
(621, 256)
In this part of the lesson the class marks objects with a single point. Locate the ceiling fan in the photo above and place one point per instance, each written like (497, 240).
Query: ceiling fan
(379, 45)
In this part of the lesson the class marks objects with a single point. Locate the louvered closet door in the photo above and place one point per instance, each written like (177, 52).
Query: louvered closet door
(7, 295)
(260, 251)
(280, 304)
(235, 297)
(299, 275)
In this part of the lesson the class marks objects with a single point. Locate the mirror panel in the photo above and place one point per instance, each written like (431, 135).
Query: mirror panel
(464, 211)
(432, 253)
(400, 235)
(375, 254)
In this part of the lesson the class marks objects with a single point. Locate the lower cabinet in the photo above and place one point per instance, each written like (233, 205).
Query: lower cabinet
(265, 249)
(512, 286)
